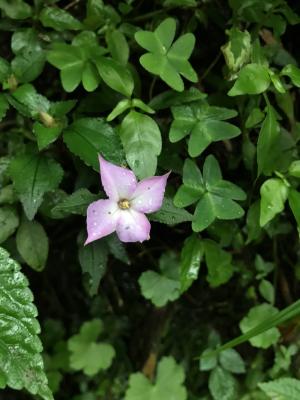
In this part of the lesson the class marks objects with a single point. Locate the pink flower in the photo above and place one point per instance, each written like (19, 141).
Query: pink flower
(128, 202)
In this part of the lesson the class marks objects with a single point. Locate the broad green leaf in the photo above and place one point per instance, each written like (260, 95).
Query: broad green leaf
(218, 262)
(46, 135)
(282, 389)
(190, 261)
(222, 385)
(75, 203)
(162, 287)
(16, 9)
(293, 73)
(266, 289)
(252, 79)
(8, 195)
(274, 193)
(141, 140)
(115, 75)
(59, 19)
(169, 214)
(212, 174)
(204, 213)
(33, 175)
(254, 118)
(294, 169)
(28, 65)
(237, 50)
(168, 384)
(208, 363)
(165, 59)
(70, 60)
(88, 137)
(231, 361)
(117, 248)
(4, 69)
(34, 102)
(117, 45)
(90, 77)
(33, 244)
(9, 221)
(253, 227)
(268, 136)
(294, 203)
(21, 365)
(168, 98)
(122, 106)
(93, 261)
(203, 123)
(87, 354)
(257, 315)
(4, 106)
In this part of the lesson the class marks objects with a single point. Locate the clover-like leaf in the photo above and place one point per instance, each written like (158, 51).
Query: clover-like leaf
(165, 59)
(164, 286)
(87, 353)
(21, 365)
(203, 123)
(168, 384)
(215, 197)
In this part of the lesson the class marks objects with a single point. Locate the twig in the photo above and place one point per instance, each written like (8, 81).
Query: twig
(70, 5)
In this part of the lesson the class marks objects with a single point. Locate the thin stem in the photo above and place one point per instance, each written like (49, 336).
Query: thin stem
(210, 67)
(149, 15)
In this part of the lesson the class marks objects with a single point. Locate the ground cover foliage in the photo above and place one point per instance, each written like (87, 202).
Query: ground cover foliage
(206, 89)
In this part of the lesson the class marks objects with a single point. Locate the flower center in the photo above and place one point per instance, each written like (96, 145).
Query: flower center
(124, 204)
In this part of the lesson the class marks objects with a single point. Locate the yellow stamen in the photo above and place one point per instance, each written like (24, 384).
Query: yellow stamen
(124, 204)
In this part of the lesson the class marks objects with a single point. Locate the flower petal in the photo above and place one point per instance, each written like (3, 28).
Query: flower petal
(102, 218)
(133, 226)
(149, 194)
(118, 182)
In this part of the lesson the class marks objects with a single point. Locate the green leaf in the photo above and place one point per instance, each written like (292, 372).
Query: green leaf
(33, 244)
(75, 203)
(266, 289)
(34, 102)
(222, 385)
(293, 73)
(87, 354)
(294, 169)
(141, 140)
(122, 106)
(87, 137)
(190, 261)
(294, 203)
(46, 135)
(207, 363)
(115, 75)
(33, 175)
(232, 362)
(117, 45)
(4, 69)
(282, 389)
(16, 9)
(4, 106)
(59, 19)
(268, 136)
(252, 79)
(257, 315)
(162, 287)
(93, 260)
(165, 59)
(253, 227)
(218, 262)
(168, 384)
(168, 98)
(203, 123)
(70, 60)
(9, 221)
(237, 50)
(21, 365)
(254, 118)
(169, 214)
(204, 214)
(274, 193)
